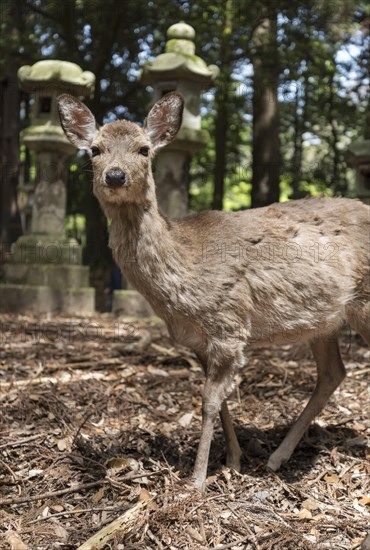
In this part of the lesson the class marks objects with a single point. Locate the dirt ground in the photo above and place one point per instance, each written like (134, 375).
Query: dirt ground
(100, 419)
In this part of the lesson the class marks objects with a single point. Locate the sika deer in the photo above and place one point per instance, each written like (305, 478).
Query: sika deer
(223, 281)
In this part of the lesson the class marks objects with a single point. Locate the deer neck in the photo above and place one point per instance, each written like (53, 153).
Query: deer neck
(144, 248)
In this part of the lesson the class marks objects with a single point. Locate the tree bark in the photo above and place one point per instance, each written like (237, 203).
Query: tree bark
(299, 126)
(266, 142)
(221, 102)
(97, 253)
(10, 223)
(338, 184)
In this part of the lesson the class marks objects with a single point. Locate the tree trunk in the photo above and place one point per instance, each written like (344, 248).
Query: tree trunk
(97, 253)
(10, 223)
(221, 103)
(299, 126)
(266, 143)
(338, 184)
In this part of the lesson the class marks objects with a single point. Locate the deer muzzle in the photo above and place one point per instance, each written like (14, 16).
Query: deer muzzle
(115, 177)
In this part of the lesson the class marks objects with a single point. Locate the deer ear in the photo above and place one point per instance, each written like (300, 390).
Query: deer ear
(77, 121)
(164, 120)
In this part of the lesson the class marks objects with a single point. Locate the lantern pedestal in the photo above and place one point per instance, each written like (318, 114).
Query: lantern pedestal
(44, 272)
(130, 303)
(46, 276)
(43, 299)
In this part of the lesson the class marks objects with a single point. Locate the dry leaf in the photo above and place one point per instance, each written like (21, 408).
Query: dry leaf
(310, 504)
(143, 480)
(360, 508)
(334, 480)
(158, 372)
(34, 473)
(78, 510)
(119, 464)
(57, 508)
(129, 371)
(62, 444)
(356, 542)
(194, 533)
(186, 419)
(194, 365)
(45, 512)
(98, 495)
(365, 501)
(310, 538)
(60, 532)
(144, 494)
(304, 514)
(359, 427)
(166, 351)
(15, 541)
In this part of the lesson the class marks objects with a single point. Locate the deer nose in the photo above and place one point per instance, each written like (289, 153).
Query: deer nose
(115, 178)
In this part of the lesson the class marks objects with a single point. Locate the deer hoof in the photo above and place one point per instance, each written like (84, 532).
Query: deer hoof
(199, 484)
(233, 463)
(274, 462)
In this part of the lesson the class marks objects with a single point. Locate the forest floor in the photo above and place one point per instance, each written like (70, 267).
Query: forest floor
(100, 419)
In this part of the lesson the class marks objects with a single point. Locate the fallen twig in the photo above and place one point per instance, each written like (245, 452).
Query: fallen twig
(122, 524)
(71, 512)
(75, 489)
(88, 364)
(21, 441)
(51, 494)
(232, 544)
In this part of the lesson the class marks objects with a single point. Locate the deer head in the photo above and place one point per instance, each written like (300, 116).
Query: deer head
(121, 151)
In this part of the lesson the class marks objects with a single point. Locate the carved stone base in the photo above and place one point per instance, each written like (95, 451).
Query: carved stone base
(45, 299)
(130, 303)
(56, 276)
(45, 249)
(45, 275)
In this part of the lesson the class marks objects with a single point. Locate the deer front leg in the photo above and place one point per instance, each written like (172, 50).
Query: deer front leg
(210, 410)
(233, 452)
(215, 391)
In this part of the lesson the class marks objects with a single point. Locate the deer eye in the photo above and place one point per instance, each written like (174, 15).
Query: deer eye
(95, 151)
(144, 151)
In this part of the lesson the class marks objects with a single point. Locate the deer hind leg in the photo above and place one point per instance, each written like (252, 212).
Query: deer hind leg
(330, 373)
(359, 320)
(233, 452)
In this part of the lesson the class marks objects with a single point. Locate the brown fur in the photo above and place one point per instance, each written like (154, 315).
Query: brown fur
(223, 281)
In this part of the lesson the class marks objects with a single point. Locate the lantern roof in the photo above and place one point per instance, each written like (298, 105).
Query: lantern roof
(358, 152)
(62, 75)
(179, 60)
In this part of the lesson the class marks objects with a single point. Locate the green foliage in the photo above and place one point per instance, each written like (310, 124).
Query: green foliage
(322, 110)
(323, 56)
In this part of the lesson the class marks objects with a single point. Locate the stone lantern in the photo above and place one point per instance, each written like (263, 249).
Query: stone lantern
(179, 69)
(44, 271)
(358, 157)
